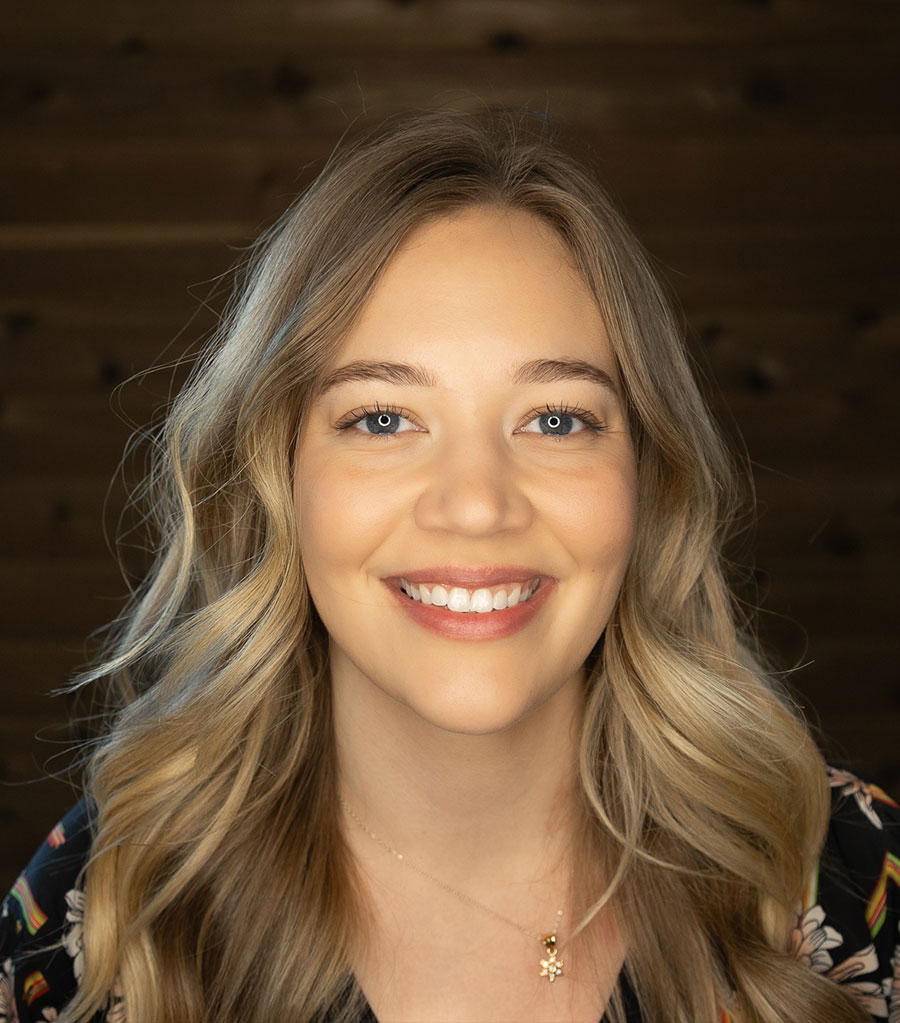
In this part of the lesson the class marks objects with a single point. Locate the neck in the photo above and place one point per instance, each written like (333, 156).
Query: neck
(473, 809)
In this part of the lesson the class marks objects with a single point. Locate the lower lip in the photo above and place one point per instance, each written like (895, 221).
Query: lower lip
(471, 625)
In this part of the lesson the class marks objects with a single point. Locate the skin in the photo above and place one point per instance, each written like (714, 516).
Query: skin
(445, 744)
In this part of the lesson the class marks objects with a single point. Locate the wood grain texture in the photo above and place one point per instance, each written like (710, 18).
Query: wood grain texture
(754, 143)
(696, 89)
(182, 186)
(381, 24)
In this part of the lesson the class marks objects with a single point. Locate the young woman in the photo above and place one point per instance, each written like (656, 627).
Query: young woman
(435, 705)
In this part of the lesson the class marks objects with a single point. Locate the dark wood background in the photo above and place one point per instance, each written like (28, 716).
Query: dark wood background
(754, 143)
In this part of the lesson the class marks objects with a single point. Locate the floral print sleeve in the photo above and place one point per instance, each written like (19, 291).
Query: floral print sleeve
(41, 952)
(849, 925)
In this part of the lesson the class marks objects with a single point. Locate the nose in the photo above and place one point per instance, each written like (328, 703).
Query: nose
(474, 489)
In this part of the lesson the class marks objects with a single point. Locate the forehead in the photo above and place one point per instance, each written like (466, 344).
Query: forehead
(485, 280)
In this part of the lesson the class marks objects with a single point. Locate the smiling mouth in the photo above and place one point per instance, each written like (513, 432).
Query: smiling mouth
(483, 600)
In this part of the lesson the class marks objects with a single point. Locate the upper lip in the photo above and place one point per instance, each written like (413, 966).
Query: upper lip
(470, 578)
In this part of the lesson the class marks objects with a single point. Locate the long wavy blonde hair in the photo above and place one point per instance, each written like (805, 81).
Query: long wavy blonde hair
(219, 888)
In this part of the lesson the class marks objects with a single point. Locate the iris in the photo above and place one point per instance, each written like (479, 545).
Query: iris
(383, 422)
(556, 423)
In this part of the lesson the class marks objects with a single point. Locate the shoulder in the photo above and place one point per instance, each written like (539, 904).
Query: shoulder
(40, 924)
(849, 926)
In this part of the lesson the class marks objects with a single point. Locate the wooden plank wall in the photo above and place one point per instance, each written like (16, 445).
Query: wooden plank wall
(753, 142)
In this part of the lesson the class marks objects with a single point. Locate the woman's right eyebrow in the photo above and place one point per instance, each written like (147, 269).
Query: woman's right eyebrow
(390, 372)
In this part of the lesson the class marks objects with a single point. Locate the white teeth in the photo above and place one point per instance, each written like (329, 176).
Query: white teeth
(482, 601)
(460, 600)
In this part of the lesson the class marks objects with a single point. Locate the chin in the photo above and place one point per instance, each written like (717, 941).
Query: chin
(475, 707)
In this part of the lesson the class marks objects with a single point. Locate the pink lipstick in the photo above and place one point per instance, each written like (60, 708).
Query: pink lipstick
(472, 603)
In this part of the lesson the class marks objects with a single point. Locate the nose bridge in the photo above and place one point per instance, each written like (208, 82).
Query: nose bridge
(473, 487)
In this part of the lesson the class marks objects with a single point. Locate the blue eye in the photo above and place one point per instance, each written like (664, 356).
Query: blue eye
(377, 422)
(381, 422)
(561, 422)
(555, 423)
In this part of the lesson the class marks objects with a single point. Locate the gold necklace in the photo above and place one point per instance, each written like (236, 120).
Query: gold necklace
(551, 967)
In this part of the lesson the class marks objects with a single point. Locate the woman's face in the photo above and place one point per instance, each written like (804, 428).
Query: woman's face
(469, 448)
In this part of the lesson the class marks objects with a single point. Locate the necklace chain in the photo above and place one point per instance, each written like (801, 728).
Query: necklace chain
(547, 939)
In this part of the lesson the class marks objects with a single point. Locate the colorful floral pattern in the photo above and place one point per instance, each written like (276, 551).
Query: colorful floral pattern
(856, 881)
(863, 792)
(41, 923)
(848, 925)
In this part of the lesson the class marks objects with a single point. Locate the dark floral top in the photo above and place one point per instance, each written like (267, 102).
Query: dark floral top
(848, 926)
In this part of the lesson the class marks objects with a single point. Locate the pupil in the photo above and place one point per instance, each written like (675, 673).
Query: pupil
(558, 423)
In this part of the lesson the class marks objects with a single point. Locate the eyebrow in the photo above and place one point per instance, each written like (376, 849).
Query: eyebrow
(536, 371)
(391, 372)
(546, 371)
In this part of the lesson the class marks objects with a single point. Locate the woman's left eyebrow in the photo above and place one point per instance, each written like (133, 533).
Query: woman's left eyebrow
(545, 371)
(536, 371)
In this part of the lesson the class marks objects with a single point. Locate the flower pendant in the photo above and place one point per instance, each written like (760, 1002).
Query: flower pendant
(551, 967)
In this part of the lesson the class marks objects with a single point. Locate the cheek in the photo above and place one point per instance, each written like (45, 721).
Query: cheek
(342, 514)
(322, 508)
(596, 519)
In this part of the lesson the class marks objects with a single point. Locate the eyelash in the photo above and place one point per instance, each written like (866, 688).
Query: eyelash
(590, 421)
